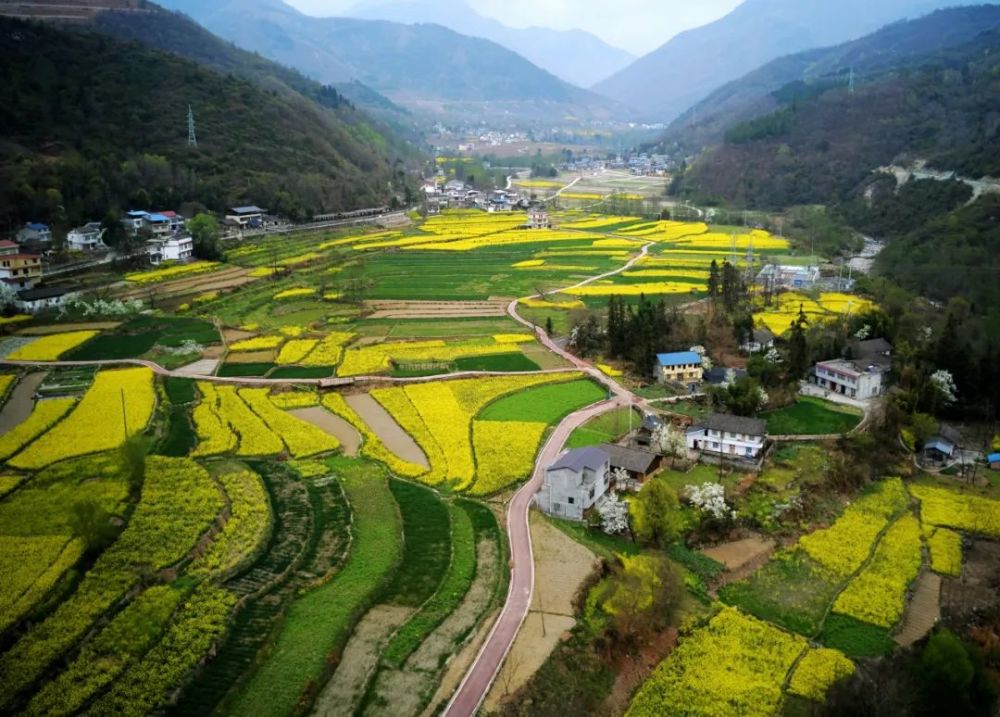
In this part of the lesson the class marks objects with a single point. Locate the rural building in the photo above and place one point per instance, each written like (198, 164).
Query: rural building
(89, 237)
(34, 300)
(639, 464)
(34, 233)
(645, 435)
(539, 219)
(250, 216)
(176, 248)
(683, 367)
(873, 351)
(760, 340)
(993, 459)
(574, 483)
(857, 379)
(942, 446)
(17, 269)
(728, 436)
(788, 277)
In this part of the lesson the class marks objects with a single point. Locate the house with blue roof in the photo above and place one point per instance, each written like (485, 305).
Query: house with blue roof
(993, 459)
(682, 367)
(34, 232)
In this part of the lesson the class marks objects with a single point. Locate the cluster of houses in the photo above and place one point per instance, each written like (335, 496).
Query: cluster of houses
(581, 478)
(640, 164)
(456, 194)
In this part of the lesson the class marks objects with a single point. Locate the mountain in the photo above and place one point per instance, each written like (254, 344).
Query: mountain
(765, 89)
(575, 56)
(424, 67)
(674, 77)
(93, 123)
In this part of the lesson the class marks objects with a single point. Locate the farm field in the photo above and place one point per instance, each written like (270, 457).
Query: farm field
(328, 541)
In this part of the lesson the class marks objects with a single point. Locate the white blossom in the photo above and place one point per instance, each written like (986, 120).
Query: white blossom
(944, 382)
(103, 307)
(762, 397)
(669, 439)
(700, 350)
(773, 356)
(730, 378)
(864, 332)
(710, 499)
(614, 514)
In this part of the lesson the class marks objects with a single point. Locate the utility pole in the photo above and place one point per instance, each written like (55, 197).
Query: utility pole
(192, 137)
(124, 415)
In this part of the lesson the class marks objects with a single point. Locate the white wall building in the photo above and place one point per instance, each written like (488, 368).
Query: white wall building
(574, 483)
(728, 436)
(854, 379)
(177, 248)
(89, 237)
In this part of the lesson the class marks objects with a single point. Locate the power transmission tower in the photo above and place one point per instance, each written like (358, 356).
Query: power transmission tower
(850, 82)
(192, 138)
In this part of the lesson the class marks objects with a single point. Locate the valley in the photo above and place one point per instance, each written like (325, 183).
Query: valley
(406, 359)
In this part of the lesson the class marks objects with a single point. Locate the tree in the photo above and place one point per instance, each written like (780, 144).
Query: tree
(644, 595)
(614, 515)
(92, 523)
(798, 347)
(742, 397)
(656, 516)
(134, 452)
(204, 230)
(549, 329)
(953, 678)
(713, 279)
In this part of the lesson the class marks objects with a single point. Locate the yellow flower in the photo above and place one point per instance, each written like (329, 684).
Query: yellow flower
(171, 272)
(259, 343)
(45, 414)
(50, 348)
(962, 511)
(818, 669)
(294, 293)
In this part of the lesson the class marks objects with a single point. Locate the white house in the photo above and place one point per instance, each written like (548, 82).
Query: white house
(789, 277)
(760, 340)
(539, 219)
(176, 248)
(34, 300)
(861, 380)
(34, 232)
(728, 436)
(89, 237)
(252, 216)
(574, 483)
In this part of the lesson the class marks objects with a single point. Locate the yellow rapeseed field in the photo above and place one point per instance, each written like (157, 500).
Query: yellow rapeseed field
(51, 347)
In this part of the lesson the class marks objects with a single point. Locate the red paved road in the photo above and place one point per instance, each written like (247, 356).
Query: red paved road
(484, 670)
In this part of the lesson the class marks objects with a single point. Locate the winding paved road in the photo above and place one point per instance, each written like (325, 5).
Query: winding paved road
(485, 668)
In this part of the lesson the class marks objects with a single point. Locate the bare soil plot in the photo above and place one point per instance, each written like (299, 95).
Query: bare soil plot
(21, 402)
(543, 357)
(435, 309)
(350, 439)
(202, 367)
(60, 328)
(344, 690)
(561, 567)
(385, 427)
(252, 356)
(226, 278)
(923, 611)
(738, 553)
(233, 335)
(975, 590)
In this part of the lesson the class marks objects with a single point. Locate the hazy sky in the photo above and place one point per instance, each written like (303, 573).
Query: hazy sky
(635, 25)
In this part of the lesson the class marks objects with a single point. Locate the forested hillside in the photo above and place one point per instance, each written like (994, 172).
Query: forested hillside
(814, 71)
(92, 123)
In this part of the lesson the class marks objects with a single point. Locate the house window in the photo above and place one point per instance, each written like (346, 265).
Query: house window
(572, 500)
(591, 493)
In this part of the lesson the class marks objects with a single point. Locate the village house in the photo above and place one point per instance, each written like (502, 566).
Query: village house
(942, 447)
(89, 237)
(760, 340)
(637, 463)
(251, 217)
(993, 460)
(178, 248)
(34, 233)
(683, 367)
(732, 437)
(34, 300)
(574, 483)
(857, 379)
(645, 435)
(17, 269)
(539, 219)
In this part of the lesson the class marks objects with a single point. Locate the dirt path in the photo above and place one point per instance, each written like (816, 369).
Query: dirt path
(562, 565)
(923, 611)
(21, 401)
(336, 426)
(205, 366)
(385, 427)
(360, 657)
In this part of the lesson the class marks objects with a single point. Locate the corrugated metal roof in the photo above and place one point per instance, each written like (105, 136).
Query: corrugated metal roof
(681, 358)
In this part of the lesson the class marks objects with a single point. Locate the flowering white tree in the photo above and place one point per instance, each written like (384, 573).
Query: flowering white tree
(7, 294)
(944, 382)
(730, 378)
(103, 307)
(763, 398)
(773, 356)
(864, 332)
(619, 475)
(710, 499)
(614, 514)
(669, 439)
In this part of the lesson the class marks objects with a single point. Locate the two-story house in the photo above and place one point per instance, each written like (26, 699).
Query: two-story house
(574, 483)
(19, 270)
(89, 237)
(34, 233)
(728, 436)
(179, 247)
(249, 216)
(860, 380)
(681, 367)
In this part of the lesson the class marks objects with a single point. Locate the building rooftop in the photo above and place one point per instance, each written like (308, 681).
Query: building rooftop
(7, 244)
(251, 209)
(37, 226)
(855, 368)
(156, 218)
(763, 336)
(682, 358)
(940, 444)
(48, 292)
(734, 424)
(633, 460)
(993, 458)
(581, 458)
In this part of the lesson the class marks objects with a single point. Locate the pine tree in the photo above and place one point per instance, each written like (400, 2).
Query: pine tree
(798, 349)
(713, 279)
